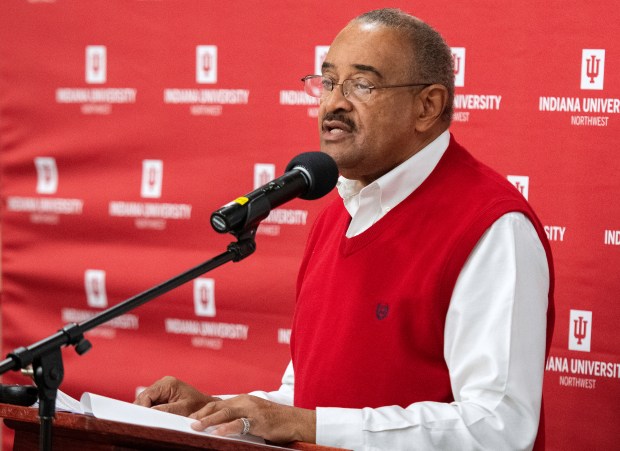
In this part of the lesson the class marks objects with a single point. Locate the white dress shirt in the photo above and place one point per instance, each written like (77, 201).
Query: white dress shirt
(494, 339)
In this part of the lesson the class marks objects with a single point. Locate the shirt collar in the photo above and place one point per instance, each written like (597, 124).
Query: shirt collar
(397, 184)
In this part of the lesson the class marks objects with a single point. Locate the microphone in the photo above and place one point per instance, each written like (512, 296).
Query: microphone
(310, 175)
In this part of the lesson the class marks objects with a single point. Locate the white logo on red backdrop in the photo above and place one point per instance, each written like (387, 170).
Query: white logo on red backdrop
(96, 64)
(47, 175)
(204, 297)
(94, 282)
(521, 182)
(152, 178)
(580, 330)
(458, 58)
(592, 68)
(263, 173)
(206, 64)
(320, 52)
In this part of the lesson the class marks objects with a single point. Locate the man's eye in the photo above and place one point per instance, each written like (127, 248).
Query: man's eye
(361, 86)
(327, 84)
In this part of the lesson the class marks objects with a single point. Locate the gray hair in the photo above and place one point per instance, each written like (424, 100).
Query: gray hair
(432, 56)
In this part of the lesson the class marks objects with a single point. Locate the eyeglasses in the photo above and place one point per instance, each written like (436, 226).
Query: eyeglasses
(354, 89)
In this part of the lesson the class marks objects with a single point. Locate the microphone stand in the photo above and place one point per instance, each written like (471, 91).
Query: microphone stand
(46, 358)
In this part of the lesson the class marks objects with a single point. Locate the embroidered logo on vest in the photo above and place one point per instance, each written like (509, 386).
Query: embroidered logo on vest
(382, 311)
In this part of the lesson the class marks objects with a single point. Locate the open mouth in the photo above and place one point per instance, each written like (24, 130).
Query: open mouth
(336, 128)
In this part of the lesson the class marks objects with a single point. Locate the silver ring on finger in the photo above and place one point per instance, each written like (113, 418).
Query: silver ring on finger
(246, 426)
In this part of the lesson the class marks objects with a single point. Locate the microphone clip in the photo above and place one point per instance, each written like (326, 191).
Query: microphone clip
(245, 244)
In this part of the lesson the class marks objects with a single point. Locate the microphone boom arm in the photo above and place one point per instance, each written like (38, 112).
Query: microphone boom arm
(46, 358)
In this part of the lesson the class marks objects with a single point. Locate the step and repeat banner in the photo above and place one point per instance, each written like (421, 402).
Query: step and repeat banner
(125, 124)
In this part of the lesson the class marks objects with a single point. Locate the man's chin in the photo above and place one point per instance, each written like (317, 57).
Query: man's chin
(336, 152)
(334, 148)
(343, 156)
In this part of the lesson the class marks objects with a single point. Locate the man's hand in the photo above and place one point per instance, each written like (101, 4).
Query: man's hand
(172, 395)
(271, 421)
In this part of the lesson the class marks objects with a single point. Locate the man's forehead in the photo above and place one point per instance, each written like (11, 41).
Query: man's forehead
(361, 31)
(372, 48)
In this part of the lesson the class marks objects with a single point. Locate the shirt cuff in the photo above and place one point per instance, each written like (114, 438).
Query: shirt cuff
(339, 427)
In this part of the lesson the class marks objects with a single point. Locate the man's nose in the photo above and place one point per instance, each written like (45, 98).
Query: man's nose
(336, 100)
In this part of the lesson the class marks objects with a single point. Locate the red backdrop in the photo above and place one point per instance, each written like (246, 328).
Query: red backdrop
(124, 124)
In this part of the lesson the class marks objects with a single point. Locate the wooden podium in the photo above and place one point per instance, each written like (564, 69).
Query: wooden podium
(74, 432)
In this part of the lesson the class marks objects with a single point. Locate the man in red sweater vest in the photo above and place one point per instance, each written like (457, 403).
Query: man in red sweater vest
(425, 296)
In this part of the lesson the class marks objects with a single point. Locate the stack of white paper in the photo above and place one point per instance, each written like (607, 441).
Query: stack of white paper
(114, 410)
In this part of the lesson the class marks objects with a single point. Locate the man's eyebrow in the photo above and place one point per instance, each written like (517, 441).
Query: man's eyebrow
(327, 65)
(365, 68)
(359, 67)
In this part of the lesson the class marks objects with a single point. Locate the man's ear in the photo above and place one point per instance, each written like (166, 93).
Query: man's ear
(434, 99)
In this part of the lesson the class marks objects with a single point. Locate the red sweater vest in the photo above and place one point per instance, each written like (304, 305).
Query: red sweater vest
(368, 329)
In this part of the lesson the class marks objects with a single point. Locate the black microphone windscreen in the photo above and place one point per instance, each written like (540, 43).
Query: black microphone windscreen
(322, 170)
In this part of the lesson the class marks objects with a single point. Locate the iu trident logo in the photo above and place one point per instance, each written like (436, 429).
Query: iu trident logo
(47, 175)
(592, 69)
(204, 297)
(320, 52)
(521, 182)
(206, 64)
(96, 64)
(458, 60)
(580, 330)
(94, 283)
(152, 178)
(263, 174)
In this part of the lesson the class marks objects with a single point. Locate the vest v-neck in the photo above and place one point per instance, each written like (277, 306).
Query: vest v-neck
(353, 244)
